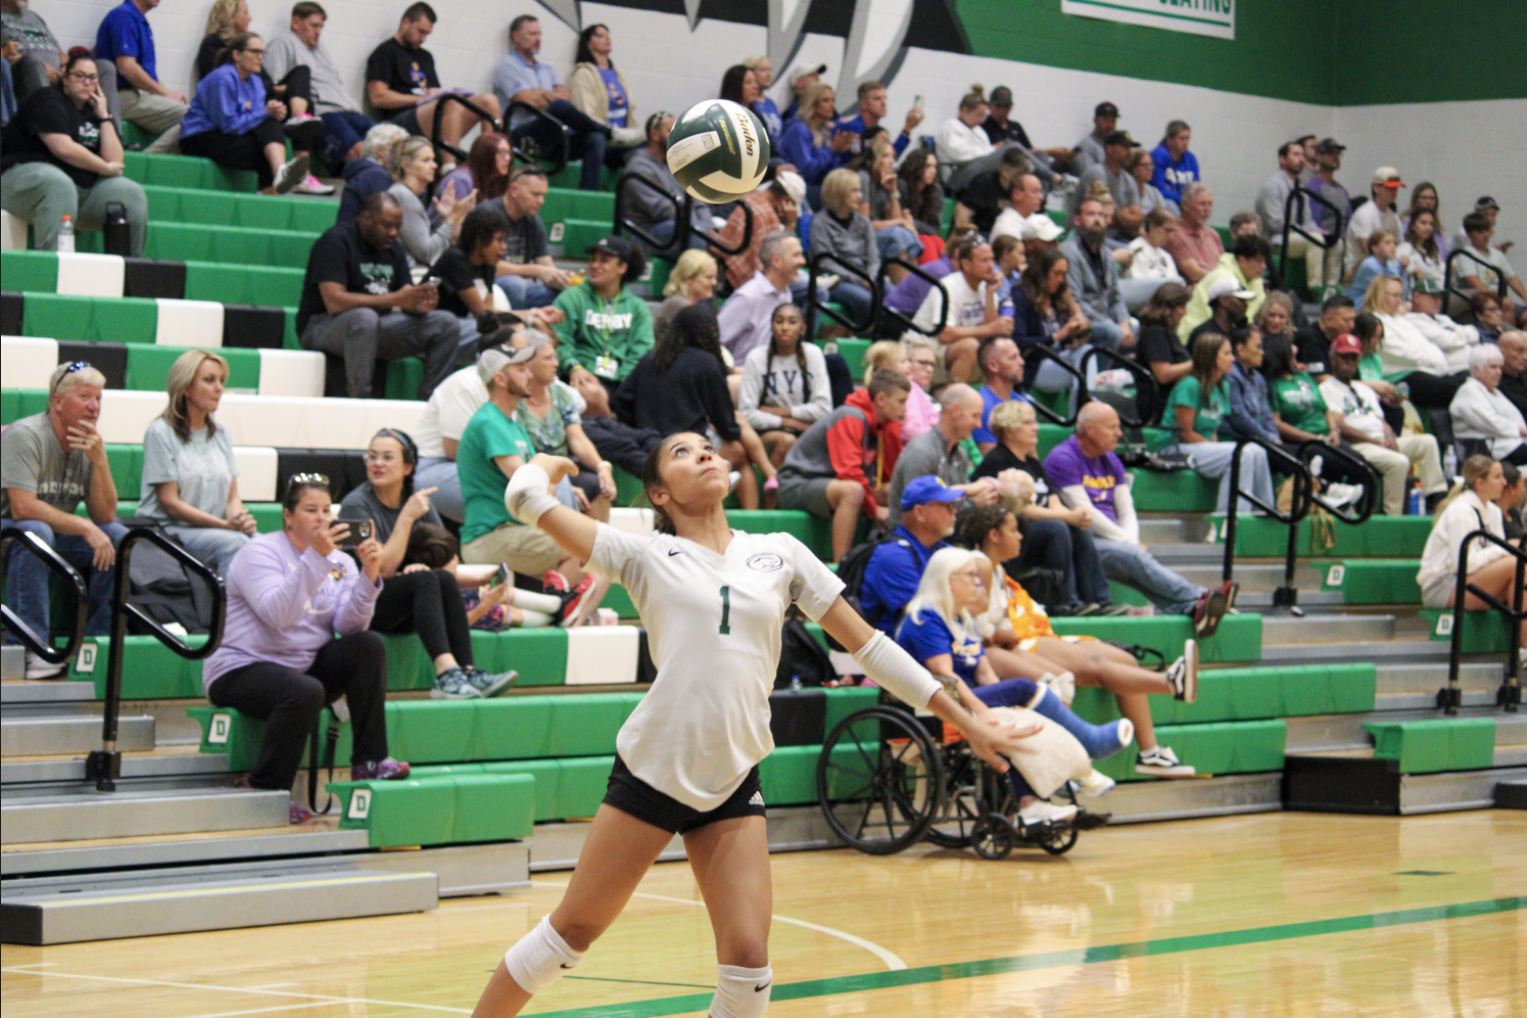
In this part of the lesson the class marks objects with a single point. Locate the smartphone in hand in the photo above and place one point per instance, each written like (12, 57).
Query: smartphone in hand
(360, 530)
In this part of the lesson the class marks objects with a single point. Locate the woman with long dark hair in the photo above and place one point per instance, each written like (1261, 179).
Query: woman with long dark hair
(234, 122)
(1160, 350)
(600, 91)
(740, 85)
(921, 193)
(1197, 408)
(486, 170)
(1046, 314)
(785, 388)
(712, 600)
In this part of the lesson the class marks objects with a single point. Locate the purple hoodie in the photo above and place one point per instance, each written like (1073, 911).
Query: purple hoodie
(283, 608)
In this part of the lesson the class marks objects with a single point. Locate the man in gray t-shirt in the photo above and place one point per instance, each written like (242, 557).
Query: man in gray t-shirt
(35, 56)
(938, 452)
(49, 463)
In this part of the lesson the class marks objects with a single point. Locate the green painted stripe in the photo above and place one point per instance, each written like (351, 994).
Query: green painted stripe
(660, 1007)
(1166, 15)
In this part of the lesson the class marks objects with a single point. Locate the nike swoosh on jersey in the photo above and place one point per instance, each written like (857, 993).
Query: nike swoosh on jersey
(674, 551)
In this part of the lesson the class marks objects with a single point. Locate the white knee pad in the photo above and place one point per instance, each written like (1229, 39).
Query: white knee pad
(540, 958)
(740, 992)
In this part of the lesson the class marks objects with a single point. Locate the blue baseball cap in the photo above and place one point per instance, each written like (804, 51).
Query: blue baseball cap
(923, 490)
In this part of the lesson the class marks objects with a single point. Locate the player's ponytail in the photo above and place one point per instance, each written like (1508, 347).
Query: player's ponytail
(651, 478)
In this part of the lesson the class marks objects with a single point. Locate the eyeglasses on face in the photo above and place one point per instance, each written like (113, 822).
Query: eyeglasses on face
(84, 77)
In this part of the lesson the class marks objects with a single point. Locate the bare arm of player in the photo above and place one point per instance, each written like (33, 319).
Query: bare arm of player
(529, 497)
(987, 739)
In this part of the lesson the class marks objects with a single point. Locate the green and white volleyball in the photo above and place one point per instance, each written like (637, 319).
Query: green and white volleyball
(718, 150)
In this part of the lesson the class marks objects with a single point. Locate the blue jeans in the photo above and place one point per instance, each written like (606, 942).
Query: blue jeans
(1133, 565)
(525, 292)
(1107, 334)
(26, 580)
(856, 301)
(341, 131)
(214, 548)
(587, 140)
(440, 473)
(1052, 544)
(1212, 460)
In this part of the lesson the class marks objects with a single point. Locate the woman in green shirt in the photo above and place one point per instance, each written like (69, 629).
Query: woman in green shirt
(1299, 410)
(1197, 405)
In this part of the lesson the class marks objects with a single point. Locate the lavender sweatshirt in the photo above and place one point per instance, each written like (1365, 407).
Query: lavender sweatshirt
(284, 607)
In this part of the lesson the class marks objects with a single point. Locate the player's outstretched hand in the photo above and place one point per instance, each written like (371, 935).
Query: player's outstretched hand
(992, 740)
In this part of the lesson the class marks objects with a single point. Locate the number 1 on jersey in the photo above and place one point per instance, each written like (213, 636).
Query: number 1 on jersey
(726, 611)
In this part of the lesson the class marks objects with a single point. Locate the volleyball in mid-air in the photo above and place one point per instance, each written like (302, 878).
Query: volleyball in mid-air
(718, 150)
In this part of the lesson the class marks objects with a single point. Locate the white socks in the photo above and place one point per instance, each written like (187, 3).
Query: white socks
(740, 992)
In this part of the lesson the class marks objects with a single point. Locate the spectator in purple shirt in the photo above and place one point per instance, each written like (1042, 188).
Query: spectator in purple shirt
(289, 593)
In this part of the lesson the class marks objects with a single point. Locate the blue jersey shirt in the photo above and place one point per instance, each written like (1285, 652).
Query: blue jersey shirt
(929, 636)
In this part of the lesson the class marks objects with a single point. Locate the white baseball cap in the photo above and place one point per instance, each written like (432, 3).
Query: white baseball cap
(1226, 286)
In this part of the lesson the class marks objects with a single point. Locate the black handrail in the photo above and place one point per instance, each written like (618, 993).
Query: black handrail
(105, 764)
(1067, 420)
(1459, 291)
(1288, 594)
(460, 154)
(1145, 381)
(42, 645)
(1450, 697)
(681, 210)
(1355, 465)
(815, 303)
(1324, 241)
(903, 320)
(560, 159)
(747, 234)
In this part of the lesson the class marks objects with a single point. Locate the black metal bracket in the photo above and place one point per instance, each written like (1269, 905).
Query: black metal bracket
(41, 644)
(882, 280)
(1145, 381)
(1286, 596)
(559, 159)
(815, 303)
(1450, 697)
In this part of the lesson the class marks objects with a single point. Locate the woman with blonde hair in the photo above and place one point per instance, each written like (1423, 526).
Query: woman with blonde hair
(413, 172)
(1276, 317)
(692, 279)
(1406, 354)
(190, 477)
(809, 142)
(847, 235)
(1470, 506)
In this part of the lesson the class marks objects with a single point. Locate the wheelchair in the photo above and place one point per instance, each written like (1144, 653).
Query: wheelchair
(888, 779)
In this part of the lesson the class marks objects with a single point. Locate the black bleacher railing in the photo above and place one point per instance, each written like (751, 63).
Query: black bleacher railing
(41, 644)
(1450, 697)
(104, 765)
(1145, 382)
(816, 303)
(893, 317)
(1068, 419)
(1356, 467)
(1280, 460)
(683, 221)
(1453, 284)
(1294, 205)
(482, 114)
(533, 154)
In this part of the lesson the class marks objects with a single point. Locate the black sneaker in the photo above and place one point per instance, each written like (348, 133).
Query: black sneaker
(1210, 609)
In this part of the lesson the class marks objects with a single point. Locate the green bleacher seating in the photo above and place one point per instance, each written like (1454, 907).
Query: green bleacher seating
(29, 271)
(1180, 491)
(439, 810)
(18, 403)
(853, 351)
(90, 319)
(570, 175)
(1243, 747)
(1381, 537)
(241, 245)
(1373, 581)
(226, 208)
(1252, 694)
(1433, 745)
(261, 285)
(1239, 637)
(1484, 632)
(186, 171)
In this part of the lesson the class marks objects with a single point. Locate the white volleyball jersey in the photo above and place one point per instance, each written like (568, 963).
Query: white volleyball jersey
(713, 628)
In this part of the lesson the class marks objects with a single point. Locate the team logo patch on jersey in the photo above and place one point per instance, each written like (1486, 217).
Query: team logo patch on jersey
(766, 562)
(756, 800)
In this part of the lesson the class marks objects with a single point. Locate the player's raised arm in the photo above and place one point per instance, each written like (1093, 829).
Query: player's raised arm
(530, 499)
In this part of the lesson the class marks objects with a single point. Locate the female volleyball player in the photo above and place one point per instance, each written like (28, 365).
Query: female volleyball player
(713, 601)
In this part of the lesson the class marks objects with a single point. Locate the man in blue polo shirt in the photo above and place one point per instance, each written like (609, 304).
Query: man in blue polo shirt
(928, 508)
(1002, 363)
(872, 107)
(521, 77)
(126, 39)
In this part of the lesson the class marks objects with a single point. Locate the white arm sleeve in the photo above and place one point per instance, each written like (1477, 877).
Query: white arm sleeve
(1102, 526)
(1124, 505)
(894, 670)
(527, 496)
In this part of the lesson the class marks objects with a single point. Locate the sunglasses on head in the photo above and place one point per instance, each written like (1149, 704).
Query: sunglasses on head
(68, 370)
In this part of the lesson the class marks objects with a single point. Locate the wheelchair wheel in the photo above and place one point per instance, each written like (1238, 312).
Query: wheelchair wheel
(963, 806)
(879, 780)
(1056, 839)
(994, 837)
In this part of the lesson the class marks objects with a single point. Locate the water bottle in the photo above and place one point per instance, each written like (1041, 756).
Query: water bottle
(66, 236)
(117, 235)
(1415, 501)
(1450, 464)
(795, 683)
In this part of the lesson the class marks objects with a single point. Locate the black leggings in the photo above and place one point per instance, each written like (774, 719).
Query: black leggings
(238, 151)
(299, 85)
(428, 603)
(288, 701)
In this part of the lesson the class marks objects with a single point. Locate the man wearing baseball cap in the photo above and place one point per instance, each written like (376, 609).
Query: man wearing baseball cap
(1324, 160)
(1121, 183)
(1361, 418)
(1376, 214)
(1239, 271)
(1454, 340)
(1089, 151)
(928, 508)
(607, 329)
(1485, 206)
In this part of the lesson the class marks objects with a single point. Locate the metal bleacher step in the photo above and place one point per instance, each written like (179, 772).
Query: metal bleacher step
(1410, 686)
(50, 728)
(68, 909)
(1254, 577)
(160, 765)
(50, 691)
(1324, 734)
(1327, 628)
(75, 811)
(184, 850)
(1378, 651)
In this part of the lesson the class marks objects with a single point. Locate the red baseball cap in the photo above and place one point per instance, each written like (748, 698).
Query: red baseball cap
(1347, 343)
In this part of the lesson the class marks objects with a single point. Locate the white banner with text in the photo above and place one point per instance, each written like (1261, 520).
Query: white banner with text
(1200, 17)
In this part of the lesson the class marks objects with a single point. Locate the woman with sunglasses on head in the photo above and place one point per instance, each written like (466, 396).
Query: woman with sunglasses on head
(190, 476)
(712, 600)
(234, 122)
(63, 157)
(296, 639)
(414, 597)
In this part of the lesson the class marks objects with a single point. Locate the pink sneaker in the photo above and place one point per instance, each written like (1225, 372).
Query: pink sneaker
(385, 770)
(298, 813)
(554, 582)
(312, 185)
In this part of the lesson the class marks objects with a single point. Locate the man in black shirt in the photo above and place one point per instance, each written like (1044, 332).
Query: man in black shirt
(1312, 344)
(400, 76)
(62, 157)
(526, 272)
(357, 302)
(1513, 376)
(985, 196)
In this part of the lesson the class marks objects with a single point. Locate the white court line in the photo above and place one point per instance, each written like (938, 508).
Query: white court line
(268, 1010)
(241, 989)
(268, 986)
(892, 962)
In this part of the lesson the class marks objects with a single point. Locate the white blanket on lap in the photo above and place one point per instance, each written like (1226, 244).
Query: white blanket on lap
(1060, 758)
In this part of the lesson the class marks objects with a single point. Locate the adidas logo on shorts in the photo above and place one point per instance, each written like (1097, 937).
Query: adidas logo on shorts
(756, 800)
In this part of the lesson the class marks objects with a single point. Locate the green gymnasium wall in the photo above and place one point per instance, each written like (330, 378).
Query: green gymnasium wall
(1325, 52)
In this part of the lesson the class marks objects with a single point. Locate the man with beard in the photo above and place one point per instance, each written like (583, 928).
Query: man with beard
(1094, 278)
(1227, 302)
(647, 209)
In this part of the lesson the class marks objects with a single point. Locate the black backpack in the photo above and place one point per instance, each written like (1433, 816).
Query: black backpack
(851, 570)
(164, 588)
(801, 657)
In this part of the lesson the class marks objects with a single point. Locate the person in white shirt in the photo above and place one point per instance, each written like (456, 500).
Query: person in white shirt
(1361, 419)
(1469, 508)
(1027, 200)
(1485, 267)
(785, 388)
(961, 139)
(1482, 411)
(970, 293)
(1377, 214)
(1455, 341)
(1151, 264)
(1404, 347)
(712, 601)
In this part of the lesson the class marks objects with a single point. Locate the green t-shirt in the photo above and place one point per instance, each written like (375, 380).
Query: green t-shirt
(1370, 367)
(1298, 401)
(488, 434)
(1207, 413)
(605, 337)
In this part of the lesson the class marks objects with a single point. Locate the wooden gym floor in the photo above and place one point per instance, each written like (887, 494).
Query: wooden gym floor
(1240, 917)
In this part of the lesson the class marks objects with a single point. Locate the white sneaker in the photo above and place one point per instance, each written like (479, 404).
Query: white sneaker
(1342, 494)
(1095, 784)
(292, 173)
(1042, 811)
(1161, 762)
(312, 185)
(37, 668)
(1183, 675)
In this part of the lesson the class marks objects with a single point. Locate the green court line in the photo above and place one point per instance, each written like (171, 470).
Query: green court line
(662, 1006)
